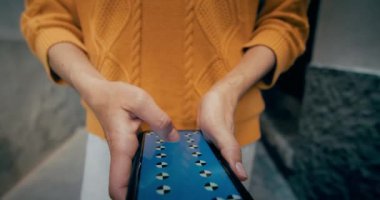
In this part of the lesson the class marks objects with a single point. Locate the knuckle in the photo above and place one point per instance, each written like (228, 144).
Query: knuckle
(140, 99)
(125, 146)
(164, 122)
(230, 149)
(113, 135)
(116, 149)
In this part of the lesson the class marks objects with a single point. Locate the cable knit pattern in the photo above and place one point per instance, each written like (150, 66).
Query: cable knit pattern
(136, 42)
(189, 50)
(112, 16)
(175, 50)
(217, 18)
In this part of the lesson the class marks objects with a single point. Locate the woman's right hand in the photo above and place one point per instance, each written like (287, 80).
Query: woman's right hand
(119, 107)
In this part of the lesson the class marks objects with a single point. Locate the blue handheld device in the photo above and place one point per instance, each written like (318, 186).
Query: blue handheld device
(191, 168)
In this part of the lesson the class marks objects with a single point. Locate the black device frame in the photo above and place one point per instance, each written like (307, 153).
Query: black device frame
(136, 169)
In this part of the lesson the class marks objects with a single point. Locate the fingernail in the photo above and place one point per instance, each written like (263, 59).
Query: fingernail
(173, 135)
(241, 170)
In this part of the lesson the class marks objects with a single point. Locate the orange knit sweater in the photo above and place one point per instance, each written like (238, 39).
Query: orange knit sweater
(175, 50)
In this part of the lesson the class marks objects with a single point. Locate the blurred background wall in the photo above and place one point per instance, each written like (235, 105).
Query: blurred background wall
(35, 115)
(322, 123)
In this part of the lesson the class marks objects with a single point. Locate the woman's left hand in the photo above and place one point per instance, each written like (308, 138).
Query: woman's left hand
(216, 111)
(216, 120)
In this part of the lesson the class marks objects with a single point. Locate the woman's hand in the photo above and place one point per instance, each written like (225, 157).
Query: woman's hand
(215, 119)
(216, 111)
(119, 107)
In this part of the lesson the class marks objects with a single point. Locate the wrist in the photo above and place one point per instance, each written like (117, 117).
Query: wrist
(232, 85)
(87, 84)
(256, 62)
(227, 89)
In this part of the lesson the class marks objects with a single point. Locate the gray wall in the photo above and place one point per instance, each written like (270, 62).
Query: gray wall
(36, 116)
(9, 19)
(347, 36)
(336, 154)
(328, 145)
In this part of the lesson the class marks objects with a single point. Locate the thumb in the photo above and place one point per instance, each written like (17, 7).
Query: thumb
(230, 150)
(123, 143)
(232, 154)
(122, 151)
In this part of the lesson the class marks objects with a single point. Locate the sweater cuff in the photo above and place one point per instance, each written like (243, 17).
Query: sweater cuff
(278, 44)
(45, 39)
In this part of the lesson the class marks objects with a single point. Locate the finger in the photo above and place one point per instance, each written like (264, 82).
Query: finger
(232, 154)
(123, 146)
(147, 110)
(230, 150)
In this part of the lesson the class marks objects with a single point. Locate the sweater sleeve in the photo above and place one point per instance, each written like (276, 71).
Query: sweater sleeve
(283, 27)
(47, 22)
